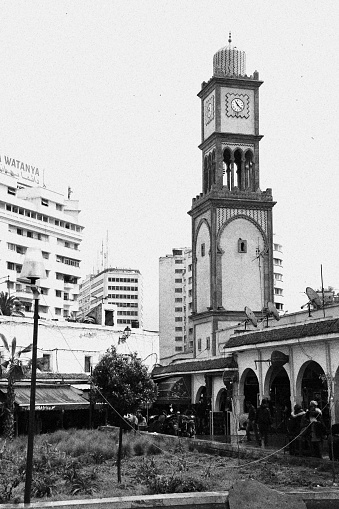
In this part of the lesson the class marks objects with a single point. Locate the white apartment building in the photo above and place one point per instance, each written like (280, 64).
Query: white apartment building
(120, 288)
(278, 276)
(175, 303)
(33, 216)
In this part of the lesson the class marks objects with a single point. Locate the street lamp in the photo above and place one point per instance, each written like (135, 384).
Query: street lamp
(125, 335)
(32, 270)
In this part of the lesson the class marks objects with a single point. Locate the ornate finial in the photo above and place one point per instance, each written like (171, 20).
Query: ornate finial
(230, 37)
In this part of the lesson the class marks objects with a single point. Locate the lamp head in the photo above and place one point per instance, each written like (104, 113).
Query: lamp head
(127, 331)
(33, 266)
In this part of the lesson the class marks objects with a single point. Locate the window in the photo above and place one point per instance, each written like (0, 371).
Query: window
(58, 293)
(58, 206)
(178, 329)
(46, 361)
(178, 271)
(242, 246)
(11, 190)
(203, 249)
(208, 343)
(178, 318)
(87, 364)
(179, 299)
(190, 268)
(189, 280)
(199, 344)
(278, 291)
(10, 266)
(178, 338)
(178, 290)
(278, 277)
(277, 261)
(178, 281)
(178, 261)
(178, 310)
(44, 202)
(178, 349)
(57, 311)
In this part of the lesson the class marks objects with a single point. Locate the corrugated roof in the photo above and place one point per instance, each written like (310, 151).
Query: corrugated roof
(195, 366)
(50, 398)
(299, 331)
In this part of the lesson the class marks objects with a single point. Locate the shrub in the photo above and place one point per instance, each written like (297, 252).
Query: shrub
(153, 449)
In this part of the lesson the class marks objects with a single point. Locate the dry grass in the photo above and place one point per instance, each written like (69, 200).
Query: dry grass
(82, 464)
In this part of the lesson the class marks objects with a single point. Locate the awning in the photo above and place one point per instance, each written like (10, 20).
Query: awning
(50, 398)
(173, 389)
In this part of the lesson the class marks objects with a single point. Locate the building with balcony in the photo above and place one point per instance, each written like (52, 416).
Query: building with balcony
(114, 288)
(278, 276)
(175, 303)
(33, 216)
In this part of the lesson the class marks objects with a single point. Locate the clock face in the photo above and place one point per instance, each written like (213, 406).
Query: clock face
(237, 104)
(209, 110)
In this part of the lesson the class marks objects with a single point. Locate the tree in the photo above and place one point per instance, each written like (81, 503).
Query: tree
(9, 305)
(14, 370)
(126, 384)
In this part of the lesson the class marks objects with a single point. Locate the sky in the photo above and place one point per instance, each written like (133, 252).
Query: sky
(102, 95)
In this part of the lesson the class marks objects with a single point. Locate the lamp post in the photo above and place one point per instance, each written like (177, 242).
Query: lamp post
(32, 270)
(125, 335)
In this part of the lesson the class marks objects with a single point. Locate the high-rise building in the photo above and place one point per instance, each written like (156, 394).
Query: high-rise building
(175, 303)
(33, 216)
(121, 288)
(278, 276)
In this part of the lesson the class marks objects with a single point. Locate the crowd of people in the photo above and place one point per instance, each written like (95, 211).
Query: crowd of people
(305, 428)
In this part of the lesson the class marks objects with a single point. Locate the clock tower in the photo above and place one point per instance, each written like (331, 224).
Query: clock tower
(232, 233)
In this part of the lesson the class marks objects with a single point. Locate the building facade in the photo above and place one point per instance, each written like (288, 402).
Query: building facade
(33, 216)
(121, 289)
(175, 303)
(278, 276)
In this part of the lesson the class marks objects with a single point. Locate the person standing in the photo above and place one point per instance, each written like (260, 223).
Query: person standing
(263, 421)
(251, 425)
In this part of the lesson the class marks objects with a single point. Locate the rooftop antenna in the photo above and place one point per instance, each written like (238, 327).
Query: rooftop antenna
(322, 287)
(314, 300)
(250, 317)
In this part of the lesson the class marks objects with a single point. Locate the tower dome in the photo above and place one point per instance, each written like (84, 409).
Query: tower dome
(229, 61)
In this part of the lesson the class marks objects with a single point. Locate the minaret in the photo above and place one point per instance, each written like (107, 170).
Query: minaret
(231, 218)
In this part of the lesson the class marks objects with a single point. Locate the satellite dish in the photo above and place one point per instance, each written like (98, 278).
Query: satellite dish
(313, 297)
(273, 310)
(251, 316)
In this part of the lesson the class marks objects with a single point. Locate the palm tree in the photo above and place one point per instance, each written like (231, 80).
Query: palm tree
(9, 305)
(14, 370)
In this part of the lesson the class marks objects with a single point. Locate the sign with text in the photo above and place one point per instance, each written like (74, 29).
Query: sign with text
(19, 169)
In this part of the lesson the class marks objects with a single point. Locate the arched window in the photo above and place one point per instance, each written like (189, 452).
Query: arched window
(205, 176)
(209, 171)
(238, 168)
(227, 169)
(213, 168)
(249, 176)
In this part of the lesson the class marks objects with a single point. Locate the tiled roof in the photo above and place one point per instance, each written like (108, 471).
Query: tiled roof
(196, 366)
(285, 333)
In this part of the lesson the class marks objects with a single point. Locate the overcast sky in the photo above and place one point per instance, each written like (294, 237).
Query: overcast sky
(102, 96)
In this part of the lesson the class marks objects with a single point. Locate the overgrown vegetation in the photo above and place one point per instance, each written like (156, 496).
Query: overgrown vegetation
(82, 464)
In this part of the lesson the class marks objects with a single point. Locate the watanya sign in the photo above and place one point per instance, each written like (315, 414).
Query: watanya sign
(19, 169)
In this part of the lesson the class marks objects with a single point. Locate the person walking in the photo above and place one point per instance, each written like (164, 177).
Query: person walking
(263, 421)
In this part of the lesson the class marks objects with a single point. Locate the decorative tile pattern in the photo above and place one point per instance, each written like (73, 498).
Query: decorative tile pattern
(257, 215)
